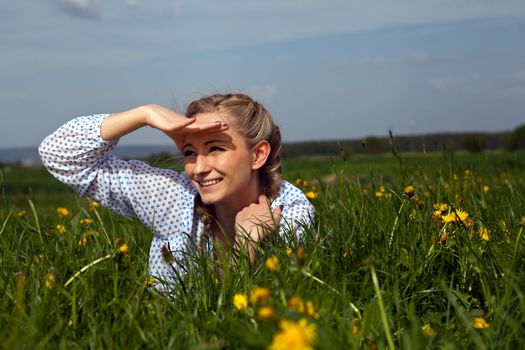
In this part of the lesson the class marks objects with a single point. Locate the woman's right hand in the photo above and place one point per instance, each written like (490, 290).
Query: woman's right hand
(175, 125)
(171, 123)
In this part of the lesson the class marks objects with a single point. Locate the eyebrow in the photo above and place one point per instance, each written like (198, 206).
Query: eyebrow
(208, 142)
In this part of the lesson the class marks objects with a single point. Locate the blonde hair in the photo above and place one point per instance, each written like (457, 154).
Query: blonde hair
(255, 123)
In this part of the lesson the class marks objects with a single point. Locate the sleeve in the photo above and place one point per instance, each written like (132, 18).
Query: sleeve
(77, 156)
(298, 213)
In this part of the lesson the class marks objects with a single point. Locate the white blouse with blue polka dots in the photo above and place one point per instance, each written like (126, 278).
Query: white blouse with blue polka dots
(161, 198)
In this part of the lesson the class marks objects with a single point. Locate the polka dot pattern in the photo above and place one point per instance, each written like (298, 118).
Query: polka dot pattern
(161, 198)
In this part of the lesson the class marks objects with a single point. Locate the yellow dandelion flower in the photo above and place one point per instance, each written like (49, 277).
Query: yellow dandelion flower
(484, 234)
(426, 194)
(240, 301)
(300, 254)
(124, 249)
(272, 263)
(93, 205)
(296, 303)
(310, 310)
(480, 323)
(21, 214)
(355, 326)
(486, 189)
(311, 195)
(294, 336)
(449, 217)
(260, 295)
(86, 221)
(289, 251)
(467, 172)
(50, 280)
(63, 212)
(266, 312)
(299, 182)
(428, 330)
(150, 281)
(83, 242)
(409, 191)
(440, 208)
(443, 238)
(61, 229)
(379, 194)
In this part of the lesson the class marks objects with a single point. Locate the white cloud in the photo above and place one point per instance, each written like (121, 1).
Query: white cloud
(449, 81)
(83, 9)
(520, 75)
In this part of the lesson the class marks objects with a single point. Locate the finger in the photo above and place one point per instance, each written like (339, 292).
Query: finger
(263, 199)
(207, 127)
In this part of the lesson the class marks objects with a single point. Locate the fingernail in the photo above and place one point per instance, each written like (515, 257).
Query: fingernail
(217, 122)
(225, 125)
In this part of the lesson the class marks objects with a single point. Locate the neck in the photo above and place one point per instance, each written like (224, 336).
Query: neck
(225, 213)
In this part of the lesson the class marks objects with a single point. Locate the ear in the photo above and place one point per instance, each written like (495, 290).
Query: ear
(260, 153)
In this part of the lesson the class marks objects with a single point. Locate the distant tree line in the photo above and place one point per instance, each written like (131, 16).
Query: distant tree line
(468, 141)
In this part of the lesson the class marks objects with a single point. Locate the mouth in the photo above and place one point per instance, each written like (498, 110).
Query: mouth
(208, 183)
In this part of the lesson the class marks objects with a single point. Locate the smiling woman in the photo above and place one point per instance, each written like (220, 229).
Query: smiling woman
(230, 194)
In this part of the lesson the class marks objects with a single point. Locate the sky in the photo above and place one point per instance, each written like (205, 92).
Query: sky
(325, 69)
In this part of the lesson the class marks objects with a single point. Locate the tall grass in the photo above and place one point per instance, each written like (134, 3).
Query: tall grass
(379, 269)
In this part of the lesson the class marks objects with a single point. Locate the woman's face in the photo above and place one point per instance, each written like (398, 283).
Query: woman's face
(219, 164)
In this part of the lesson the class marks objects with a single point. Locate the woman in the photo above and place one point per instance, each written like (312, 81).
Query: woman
(231, 192)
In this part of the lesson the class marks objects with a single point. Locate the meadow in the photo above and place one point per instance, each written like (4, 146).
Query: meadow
(409, 252)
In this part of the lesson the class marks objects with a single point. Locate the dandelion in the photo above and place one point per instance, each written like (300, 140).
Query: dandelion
(310, 310)
(149, 281)
(486, 189)
(240, 301)
(50, 280)
(124, 249)
(289, 251)
(443, 238)
(428, 330)
(296, 303)
(83, 242)
(86, 221)
(266, 312)
(61, 229)
(63, 212)
(272, 263)
(480, 323)
(311, 195)
(93, 205)
(260, 295)
(457, 215)
(300, 254)
(409, 191)
(294, 336)
(484, 234)
(21, 214)
(355, 326)
(440, 208)
(298, 182)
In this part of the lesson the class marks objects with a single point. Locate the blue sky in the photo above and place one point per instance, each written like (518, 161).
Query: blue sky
(325, 69)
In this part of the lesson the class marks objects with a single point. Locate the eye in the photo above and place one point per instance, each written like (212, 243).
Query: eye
(216, 149)
(188, 153)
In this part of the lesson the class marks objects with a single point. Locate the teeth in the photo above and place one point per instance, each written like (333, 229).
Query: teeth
(209, 182)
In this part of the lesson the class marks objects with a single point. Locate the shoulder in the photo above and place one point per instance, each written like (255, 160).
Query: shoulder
(289, 195)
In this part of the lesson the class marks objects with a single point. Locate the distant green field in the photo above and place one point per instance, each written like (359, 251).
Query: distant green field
(412, 252)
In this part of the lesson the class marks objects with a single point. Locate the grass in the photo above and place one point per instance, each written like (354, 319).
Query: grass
(379, 269)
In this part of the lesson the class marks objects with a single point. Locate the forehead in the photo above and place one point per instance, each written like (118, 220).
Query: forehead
(228, 135)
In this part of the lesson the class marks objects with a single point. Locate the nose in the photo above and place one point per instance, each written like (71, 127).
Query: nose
(202, 165)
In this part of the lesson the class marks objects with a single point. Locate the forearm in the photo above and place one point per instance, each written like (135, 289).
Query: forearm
(119, 124)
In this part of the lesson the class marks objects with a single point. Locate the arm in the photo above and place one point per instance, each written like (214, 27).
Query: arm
(77, 154)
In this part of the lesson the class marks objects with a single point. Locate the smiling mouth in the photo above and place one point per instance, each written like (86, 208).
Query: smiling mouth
(205, 183)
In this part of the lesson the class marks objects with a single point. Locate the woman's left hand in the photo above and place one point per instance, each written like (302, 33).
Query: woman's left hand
(254, 223)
